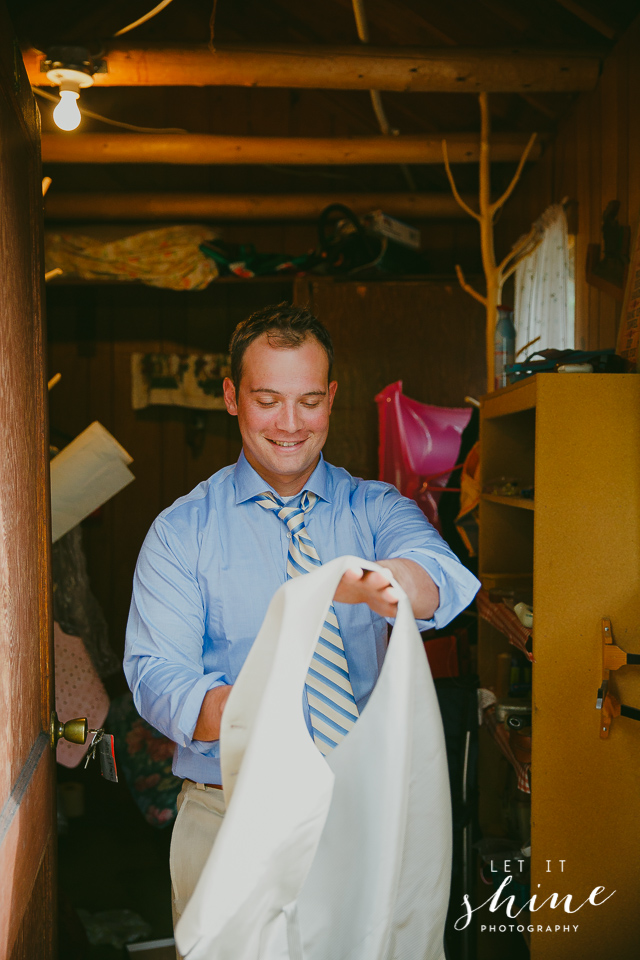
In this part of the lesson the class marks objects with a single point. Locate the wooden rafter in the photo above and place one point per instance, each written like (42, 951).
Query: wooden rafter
(589, 18)
(449, 70)
(212, 149)
(219, 207)
(540, 105)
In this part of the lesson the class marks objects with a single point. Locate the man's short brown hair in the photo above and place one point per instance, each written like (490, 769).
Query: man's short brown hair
(285, 326)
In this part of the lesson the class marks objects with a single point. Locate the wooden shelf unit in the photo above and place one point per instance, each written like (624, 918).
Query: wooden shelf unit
(576, 437)
(523, 502)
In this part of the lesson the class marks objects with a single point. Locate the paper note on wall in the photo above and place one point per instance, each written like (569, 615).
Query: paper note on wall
(88, 472)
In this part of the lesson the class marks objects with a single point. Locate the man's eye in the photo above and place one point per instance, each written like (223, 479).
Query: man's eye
(316, 404)
(267, 403)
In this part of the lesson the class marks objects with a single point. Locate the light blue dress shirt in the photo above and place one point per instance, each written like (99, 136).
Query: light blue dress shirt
(210, 565)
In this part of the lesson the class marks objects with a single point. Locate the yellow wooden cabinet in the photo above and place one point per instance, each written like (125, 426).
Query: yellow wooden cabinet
(576, 437)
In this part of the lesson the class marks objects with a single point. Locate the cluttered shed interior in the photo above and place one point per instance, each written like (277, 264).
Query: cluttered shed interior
(319, 527)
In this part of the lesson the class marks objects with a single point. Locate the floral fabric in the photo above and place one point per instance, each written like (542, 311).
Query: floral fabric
(169, 257)
(144, 756)
(182, 380)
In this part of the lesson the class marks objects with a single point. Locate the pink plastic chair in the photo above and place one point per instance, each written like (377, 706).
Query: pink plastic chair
(419, 446)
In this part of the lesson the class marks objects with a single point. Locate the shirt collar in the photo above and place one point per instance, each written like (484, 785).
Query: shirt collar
(249, 484)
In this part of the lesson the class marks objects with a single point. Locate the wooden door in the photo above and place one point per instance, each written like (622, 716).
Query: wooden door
(27, 835)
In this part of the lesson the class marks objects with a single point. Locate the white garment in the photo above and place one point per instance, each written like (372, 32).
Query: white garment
(350, 857)
(545, 288)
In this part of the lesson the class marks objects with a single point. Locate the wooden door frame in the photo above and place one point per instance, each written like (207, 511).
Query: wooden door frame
(27, 818)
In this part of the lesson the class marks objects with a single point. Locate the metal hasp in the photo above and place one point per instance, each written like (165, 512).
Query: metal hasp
(613, 657)
(75, 731)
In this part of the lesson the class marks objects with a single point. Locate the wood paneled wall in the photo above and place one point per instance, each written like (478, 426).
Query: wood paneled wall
(93, 330)
(427, 333)
(595, 158)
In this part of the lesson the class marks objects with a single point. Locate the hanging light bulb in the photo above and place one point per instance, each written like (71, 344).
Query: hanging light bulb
(67, 114)
(71, 69)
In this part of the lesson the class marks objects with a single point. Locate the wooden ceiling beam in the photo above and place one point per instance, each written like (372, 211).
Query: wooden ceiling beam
(219, 207)
(507, 70)
(541, 106)
(596, 23)
(210, 149)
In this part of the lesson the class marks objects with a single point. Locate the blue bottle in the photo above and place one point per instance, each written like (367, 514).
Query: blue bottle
(504, 346)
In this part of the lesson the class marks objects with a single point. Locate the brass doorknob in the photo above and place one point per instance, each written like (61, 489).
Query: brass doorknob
(75, 731)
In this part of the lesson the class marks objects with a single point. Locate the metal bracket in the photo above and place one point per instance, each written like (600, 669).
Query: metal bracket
(613, 657)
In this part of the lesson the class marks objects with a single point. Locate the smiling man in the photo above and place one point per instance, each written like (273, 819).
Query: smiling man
(213, 560)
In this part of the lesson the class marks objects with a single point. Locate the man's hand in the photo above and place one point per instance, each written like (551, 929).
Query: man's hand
(372, 588)
(357, 586)
(210, 717)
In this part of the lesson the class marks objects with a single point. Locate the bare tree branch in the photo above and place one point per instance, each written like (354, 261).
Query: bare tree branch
(523, 159)
(452, 182)
(468, 288)
(519, 246)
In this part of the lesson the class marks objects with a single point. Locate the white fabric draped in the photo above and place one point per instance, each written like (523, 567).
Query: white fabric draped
(343, 858)
(545, 288)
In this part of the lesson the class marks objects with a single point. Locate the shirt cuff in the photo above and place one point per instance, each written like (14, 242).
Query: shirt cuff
(191, 711)
(456, 585)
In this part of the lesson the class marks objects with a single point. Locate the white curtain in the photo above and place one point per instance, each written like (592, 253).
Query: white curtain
(545, 288)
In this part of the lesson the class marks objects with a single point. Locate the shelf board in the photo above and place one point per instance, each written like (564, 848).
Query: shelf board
(521, 502)
(512, 399)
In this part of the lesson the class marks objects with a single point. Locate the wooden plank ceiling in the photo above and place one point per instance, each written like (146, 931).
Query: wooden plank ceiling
(516, 28)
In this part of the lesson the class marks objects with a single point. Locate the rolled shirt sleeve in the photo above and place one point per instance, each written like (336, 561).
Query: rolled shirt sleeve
(163, 660)
(403, 531)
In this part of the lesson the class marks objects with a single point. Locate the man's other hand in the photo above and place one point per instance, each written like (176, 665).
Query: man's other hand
(370, 587)
(210, 717)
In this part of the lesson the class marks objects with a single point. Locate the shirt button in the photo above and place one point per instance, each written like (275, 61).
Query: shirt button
(288, 536)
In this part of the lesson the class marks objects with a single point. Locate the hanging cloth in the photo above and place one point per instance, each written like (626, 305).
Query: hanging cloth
(545, 286)
(168, 257)
(79, 692)
(350, 856)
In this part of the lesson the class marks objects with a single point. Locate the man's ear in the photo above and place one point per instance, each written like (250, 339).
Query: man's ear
(333, 386)
(230, 399)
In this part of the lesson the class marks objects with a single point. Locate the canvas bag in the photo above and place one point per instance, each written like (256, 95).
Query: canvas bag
(349, 857)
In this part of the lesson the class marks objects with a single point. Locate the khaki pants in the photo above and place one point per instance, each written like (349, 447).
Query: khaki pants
(200, 813)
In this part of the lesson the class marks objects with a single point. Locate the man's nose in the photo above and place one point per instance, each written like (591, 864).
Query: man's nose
(288, 418)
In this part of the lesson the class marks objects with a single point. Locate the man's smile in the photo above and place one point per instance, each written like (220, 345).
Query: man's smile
(286, 443)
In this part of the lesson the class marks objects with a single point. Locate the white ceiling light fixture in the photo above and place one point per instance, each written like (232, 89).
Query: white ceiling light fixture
(71, 69)
(67, 114)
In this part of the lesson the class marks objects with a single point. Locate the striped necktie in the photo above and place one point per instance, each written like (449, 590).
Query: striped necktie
(332, 705)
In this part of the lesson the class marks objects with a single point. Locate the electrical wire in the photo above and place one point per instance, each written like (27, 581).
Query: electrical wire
(114, 123)
(147, 16)
(212, 26)
(362, 28)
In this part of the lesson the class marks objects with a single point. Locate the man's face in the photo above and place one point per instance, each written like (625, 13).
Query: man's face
(283, 408)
